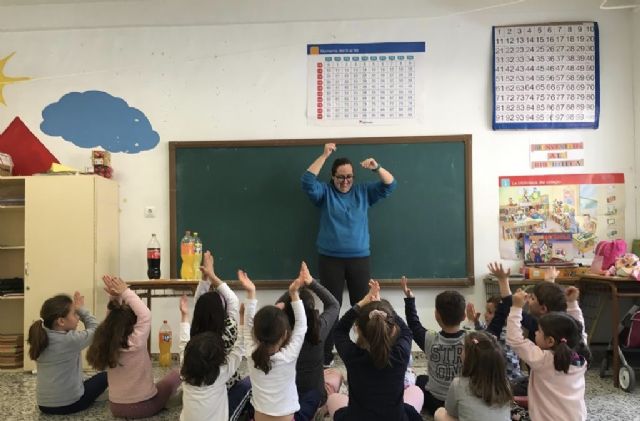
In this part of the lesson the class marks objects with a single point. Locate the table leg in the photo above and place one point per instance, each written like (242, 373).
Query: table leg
(149, 307)
(615, 321)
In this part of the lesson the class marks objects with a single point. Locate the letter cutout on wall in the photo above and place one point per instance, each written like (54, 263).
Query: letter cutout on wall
(94, 118)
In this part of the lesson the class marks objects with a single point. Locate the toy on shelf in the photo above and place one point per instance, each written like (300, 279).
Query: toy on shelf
(101, 161)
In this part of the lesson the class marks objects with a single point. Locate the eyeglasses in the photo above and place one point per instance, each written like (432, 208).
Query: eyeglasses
(347, 177)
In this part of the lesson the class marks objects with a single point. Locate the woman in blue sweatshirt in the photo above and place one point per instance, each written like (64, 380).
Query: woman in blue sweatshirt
(343, 236)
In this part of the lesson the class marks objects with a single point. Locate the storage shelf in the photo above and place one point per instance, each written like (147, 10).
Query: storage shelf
(12, 297)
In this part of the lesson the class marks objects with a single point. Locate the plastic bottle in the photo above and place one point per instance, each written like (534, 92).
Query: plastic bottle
(186, 253)
(164, 343)
(153, 258)
(197, 256)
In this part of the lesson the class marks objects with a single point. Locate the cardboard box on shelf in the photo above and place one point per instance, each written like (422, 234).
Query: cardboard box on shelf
(6, 164)
(102, 158)
(537, 273)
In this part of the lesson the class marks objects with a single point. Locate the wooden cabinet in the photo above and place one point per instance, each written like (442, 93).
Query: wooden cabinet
(69, 232)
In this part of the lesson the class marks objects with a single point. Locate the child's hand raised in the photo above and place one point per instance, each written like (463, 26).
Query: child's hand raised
(405, 287)
(471, 313)
(78, 300)
(498, 271)
(519, 298)
(184, 305)
(551, 273)
(305, 275)
(572, 294)
(294, 287)
(114, 286)
(207, 269)
(372, 295)
(247, 284)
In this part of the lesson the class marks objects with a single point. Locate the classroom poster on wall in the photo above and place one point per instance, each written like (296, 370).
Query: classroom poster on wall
(362, 84)
(546, 76)
(590, 207)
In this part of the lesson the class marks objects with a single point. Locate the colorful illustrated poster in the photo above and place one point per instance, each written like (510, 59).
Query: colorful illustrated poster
(546, 76)
(588, 206)
(360, 84)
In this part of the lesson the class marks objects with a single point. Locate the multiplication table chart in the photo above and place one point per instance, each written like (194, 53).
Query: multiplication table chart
(546, 76)
(363, 83)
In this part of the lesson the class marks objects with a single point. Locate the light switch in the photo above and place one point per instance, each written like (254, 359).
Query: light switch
(149, 211)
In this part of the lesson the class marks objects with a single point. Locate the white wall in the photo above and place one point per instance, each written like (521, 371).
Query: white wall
(212, 78)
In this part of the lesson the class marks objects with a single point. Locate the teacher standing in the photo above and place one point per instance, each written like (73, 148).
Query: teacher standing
(343, 237)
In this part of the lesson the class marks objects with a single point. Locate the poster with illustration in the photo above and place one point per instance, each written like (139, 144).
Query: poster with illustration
(590, 207)
(549, 248)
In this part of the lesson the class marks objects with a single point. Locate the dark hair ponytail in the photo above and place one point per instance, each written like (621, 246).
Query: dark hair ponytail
(52, 309)
(567, 335)
(111, 336)
(313, 316)
(270, 326)
(378, 328)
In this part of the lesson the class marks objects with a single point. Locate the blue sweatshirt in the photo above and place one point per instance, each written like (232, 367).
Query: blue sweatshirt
(344, 220)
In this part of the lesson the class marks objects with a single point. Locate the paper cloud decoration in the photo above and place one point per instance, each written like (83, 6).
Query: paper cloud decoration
(93, 118)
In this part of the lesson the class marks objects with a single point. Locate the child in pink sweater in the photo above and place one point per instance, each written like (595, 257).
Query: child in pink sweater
(558, 359)
(120, 347)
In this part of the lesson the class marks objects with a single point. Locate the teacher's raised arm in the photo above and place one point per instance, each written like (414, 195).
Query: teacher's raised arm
(343, 235)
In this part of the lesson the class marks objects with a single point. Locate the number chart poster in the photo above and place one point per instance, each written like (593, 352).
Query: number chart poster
(546, 76)
(588, 206)
(359, 84)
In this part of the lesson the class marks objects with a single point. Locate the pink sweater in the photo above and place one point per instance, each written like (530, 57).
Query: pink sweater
(553, 395)
(132, 380)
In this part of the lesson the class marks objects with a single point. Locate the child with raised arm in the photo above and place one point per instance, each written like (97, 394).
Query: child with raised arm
(212, 314)
(481, 392)
(443, 349)
(545, 297)
(558, 359)
(208, 366)
(55, 346)
(312, 381)
(514, 373)
(120, 347)
(273, 349)
(376, 364)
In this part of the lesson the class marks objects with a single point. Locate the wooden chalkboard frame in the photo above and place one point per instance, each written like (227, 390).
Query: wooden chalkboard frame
(469, 280)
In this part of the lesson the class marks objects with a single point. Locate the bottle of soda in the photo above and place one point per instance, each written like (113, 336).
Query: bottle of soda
(197, 256)
(164, 343)
(186, 253)
(153, 258)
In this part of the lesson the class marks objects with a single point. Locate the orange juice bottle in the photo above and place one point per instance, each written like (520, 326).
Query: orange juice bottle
(164, 343)
(187, 254)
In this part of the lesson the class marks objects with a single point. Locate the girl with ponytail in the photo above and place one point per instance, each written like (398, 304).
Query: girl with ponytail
(273, 349)
(558, 359)
(313, 382)
(376, 364)
(55, 345)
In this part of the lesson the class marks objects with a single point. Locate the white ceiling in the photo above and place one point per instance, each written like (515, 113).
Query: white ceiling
(30, 15)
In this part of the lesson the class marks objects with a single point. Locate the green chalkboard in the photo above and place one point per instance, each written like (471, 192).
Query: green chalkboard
(245, 200)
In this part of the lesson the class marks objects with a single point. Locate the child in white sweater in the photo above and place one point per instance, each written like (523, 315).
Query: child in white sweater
(207, 367)
(558, 359)
(273, 349)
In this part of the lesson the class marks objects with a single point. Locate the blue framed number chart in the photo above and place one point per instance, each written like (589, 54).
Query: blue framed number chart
(546, 76)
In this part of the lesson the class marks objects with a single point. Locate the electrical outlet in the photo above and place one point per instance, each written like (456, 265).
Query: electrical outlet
(149, 211)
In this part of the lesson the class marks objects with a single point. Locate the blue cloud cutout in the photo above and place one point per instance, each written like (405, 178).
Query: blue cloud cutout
(94, 118)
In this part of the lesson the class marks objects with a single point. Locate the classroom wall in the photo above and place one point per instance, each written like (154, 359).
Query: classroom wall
(213, 77)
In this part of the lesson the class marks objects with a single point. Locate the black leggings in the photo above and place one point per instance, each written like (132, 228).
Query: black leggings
(93, 388)
(334, 271)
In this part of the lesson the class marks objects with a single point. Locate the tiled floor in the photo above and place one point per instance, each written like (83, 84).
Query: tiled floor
(17, 402)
